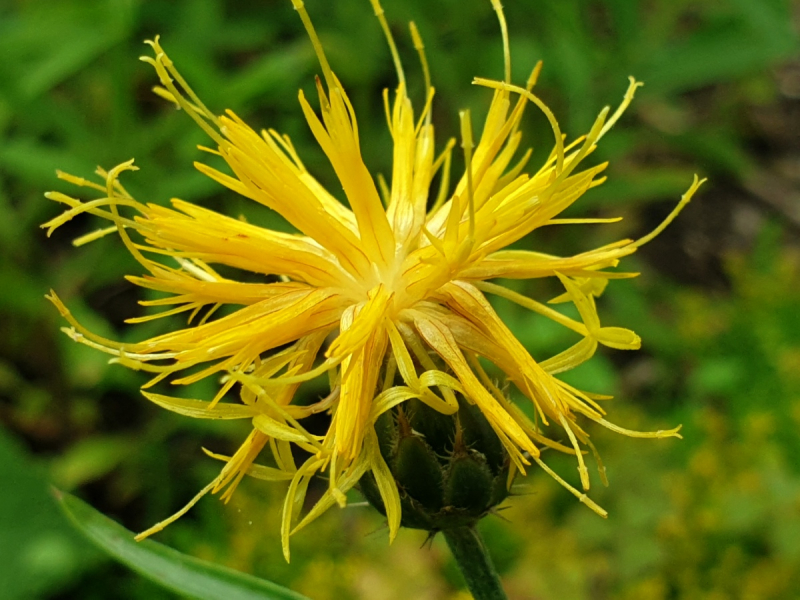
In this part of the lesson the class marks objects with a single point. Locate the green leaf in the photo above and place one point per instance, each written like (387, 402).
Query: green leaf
(188, 576)
(89, 459)
(639, 187)
(714, 55)
(39, 552)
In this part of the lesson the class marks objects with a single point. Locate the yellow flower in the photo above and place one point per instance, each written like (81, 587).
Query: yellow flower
(396, 280)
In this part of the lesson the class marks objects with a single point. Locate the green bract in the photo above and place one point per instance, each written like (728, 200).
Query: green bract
(450, 470)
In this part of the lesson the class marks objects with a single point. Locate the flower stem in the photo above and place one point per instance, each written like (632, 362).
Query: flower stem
(475, 563)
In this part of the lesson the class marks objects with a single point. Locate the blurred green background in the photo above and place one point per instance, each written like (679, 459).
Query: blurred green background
(714, 516)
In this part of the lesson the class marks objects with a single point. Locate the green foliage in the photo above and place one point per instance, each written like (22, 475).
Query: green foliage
(185, 575)
(38, 550)
(716, 514)
(712, 516)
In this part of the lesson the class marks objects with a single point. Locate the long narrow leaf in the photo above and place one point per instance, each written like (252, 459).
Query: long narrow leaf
(185, 575)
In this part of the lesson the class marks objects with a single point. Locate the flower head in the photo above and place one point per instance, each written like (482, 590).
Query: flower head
(387, 296)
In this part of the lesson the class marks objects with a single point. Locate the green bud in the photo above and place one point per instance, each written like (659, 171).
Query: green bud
(469, 484)
(438, 430)
(450, 470)
(418, 472)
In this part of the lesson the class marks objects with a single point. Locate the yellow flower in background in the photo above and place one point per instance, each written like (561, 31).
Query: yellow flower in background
(386, 297)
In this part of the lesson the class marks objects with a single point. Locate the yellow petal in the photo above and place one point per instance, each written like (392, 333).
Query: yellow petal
(281, 431)
(344, 483)
(571, 357)
(359, 380)
(619, 338)
(294, 497)
(441, 340)
(386, 484)
(257, 471)
(200, 409)
(390, 398)
(338, 138)
(368, 318)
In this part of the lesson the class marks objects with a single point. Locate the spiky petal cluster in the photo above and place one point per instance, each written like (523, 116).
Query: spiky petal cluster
(395, 280)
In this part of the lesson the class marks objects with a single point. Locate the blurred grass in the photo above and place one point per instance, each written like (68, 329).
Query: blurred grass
(714, 516)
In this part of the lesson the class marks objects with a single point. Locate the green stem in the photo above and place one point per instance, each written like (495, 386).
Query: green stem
(475, 563)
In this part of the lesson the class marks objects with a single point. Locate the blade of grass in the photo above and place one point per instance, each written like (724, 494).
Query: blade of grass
(185, 575)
